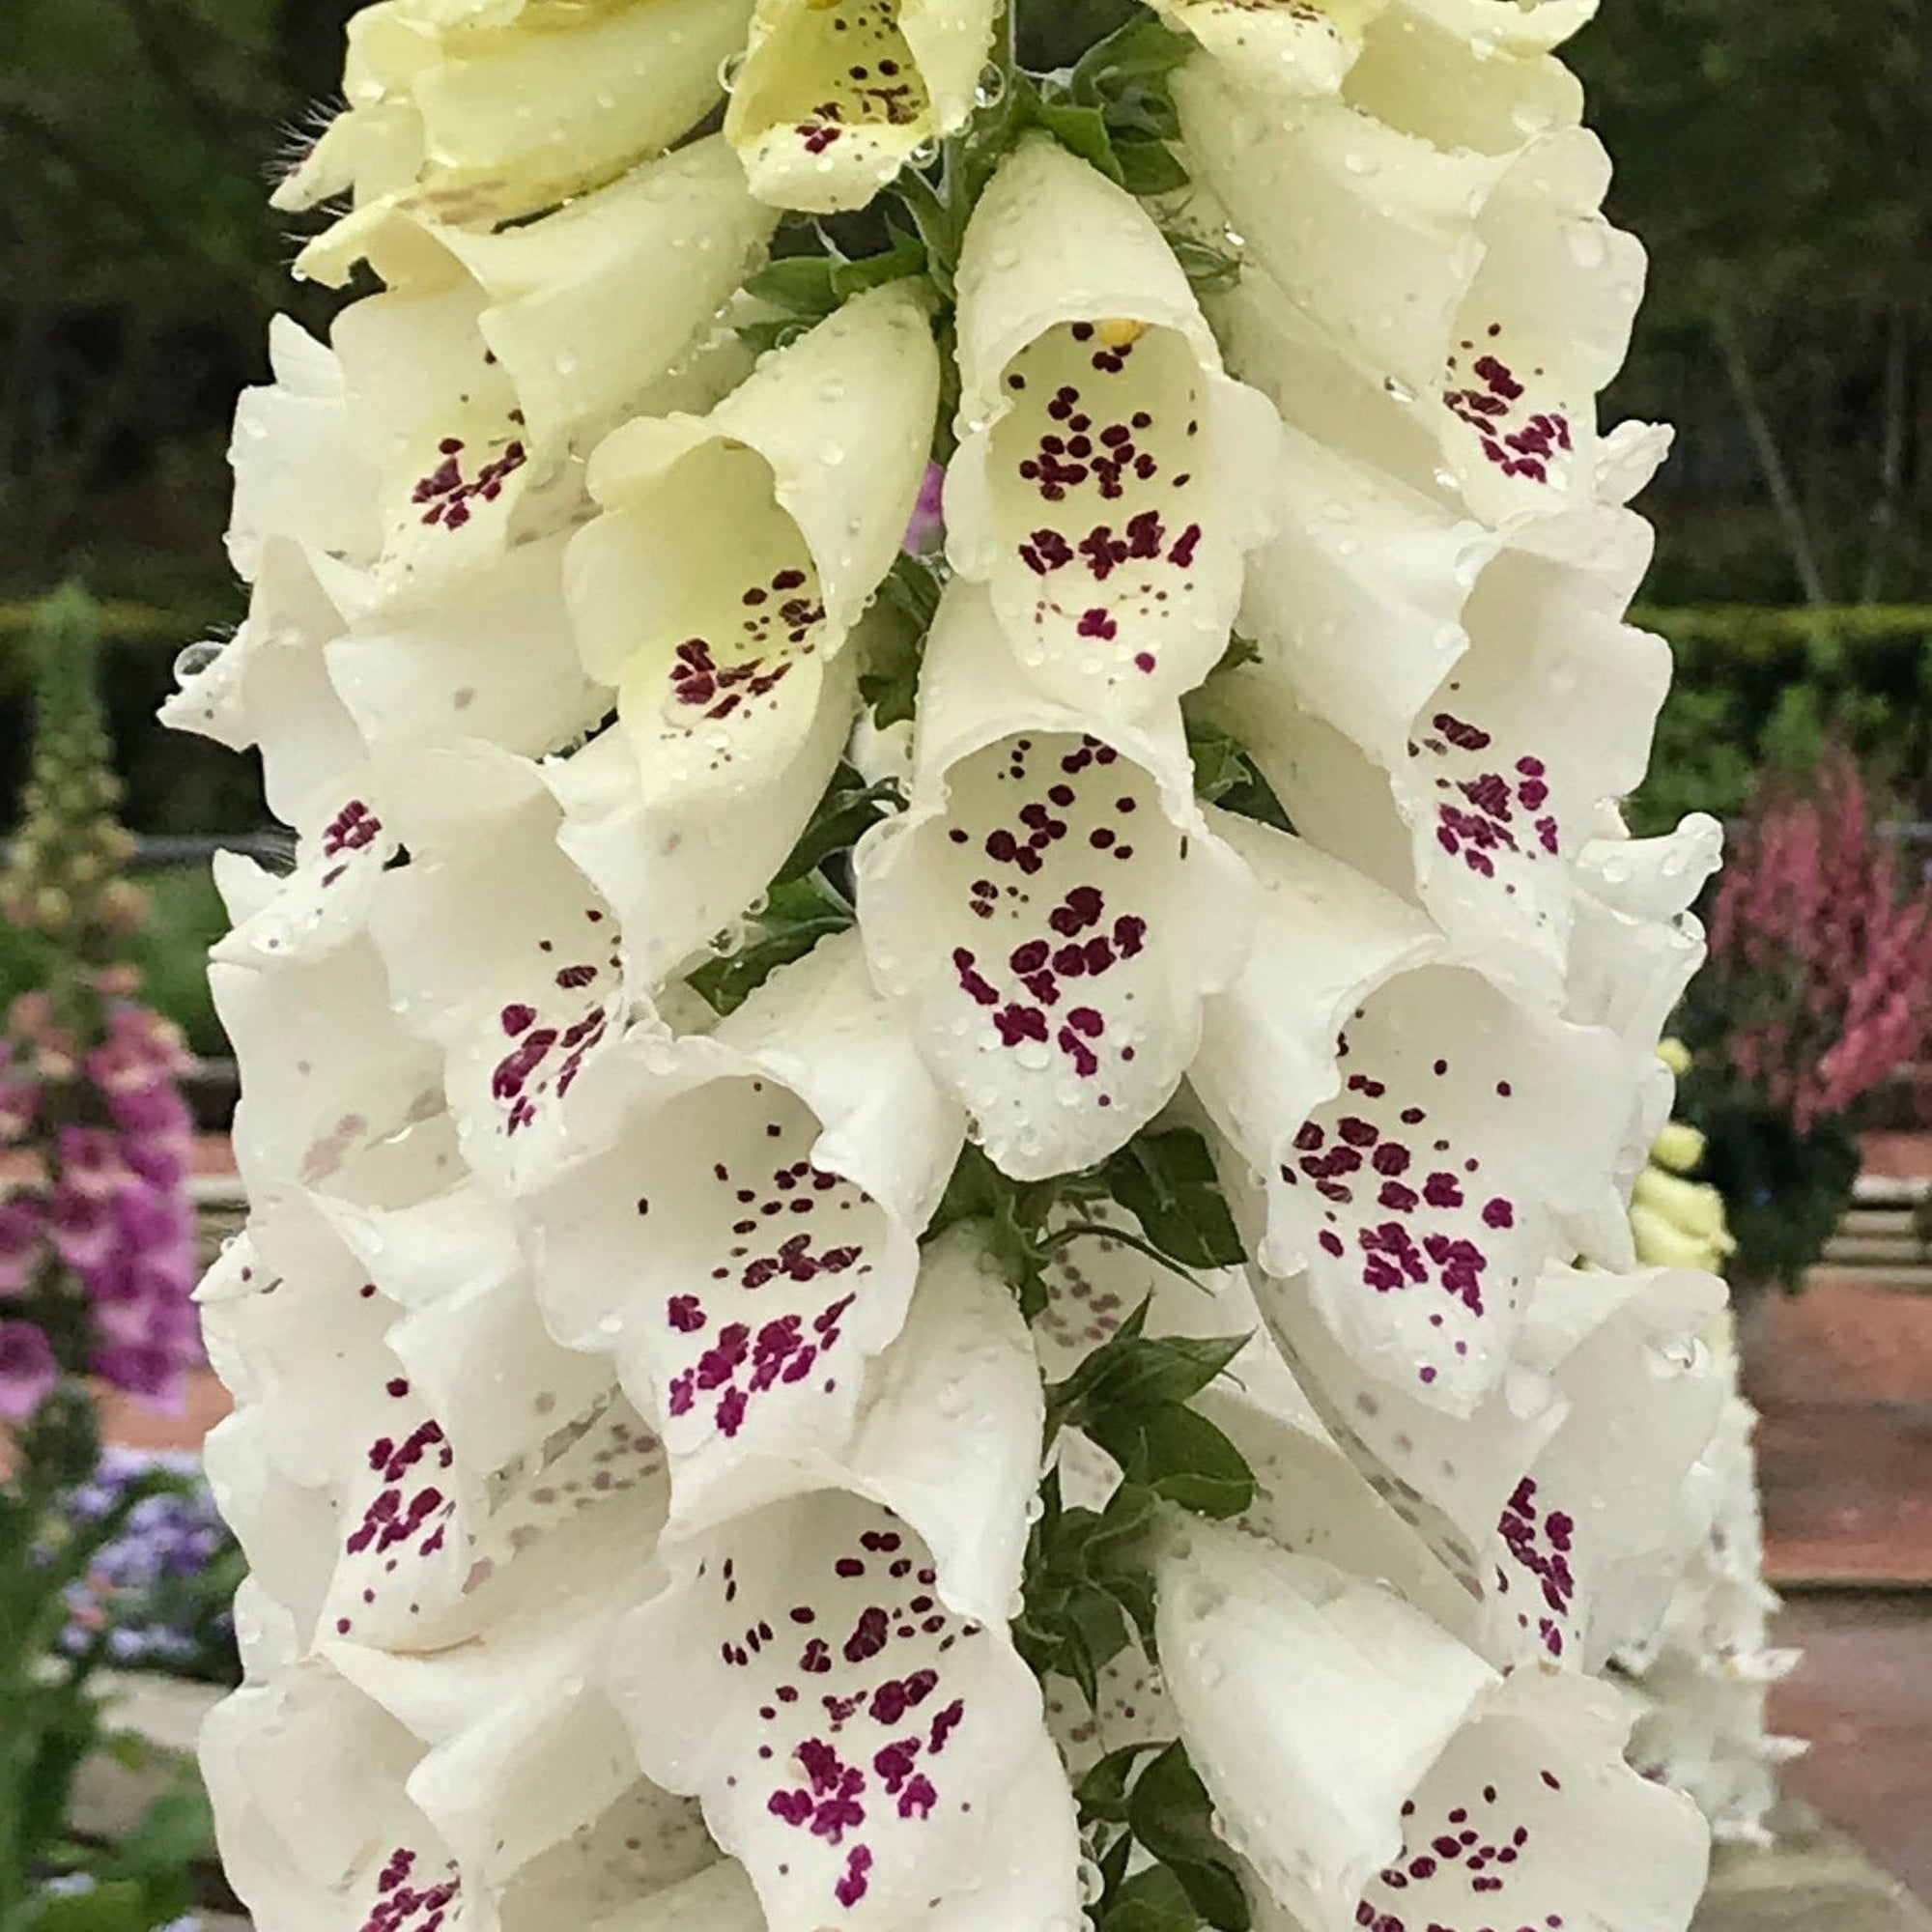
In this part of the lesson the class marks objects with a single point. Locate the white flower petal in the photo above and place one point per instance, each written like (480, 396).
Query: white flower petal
(1109, 476)
(439, 114)
(327, 1068)
(681, 829)
(734, 545)
(831, 1677)
(1470, 73)
(1278, 47)
(1341, 1736)
(1487, 292)
(498, 949)
(1053, 906)
(417, 1528)
(490, 356)
(1607, 1375)
(1635, 945)
(870, 1761)
(1503, 733)
(298, 471)
(1326, 940)
(366, 1849)
(1469, 1137)
(268, 686)
(522, 1751)
(742, 1234)
(491, 658)
(835, 96)
(1357, 604)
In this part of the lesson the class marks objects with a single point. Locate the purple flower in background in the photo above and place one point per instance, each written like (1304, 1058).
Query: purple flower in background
(28, 1370)
(90, 1159)
(23, 1234)
(82, 1225)
(928, 514)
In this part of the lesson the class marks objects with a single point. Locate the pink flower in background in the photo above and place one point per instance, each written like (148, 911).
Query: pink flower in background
(929, 516)
(28, 1370)
(81, 1224)
(23, 1234)
(1826, 952)
(20, 1097)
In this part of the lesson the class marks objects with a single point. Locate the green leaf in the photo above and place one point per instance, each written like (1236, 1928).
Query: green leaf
(175, 1831)
(1167, 1181)
(1143, 51)
(892, 637)
(120, 1906)
(797, 916)
(1154, 1900)
(1209, 270)
(849, 809)
(1083, 130)
(1149, 167)
(1181, 1456)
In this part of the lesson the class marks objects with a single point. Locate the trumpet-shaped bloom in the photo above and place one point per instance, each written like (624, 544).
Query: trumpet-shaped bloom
(489, 658)
(1419, 1139)
(303, 998)
(1507, 704)
(498, 949)
(327, 1408)
(831, 1677)
(835, 96)
(490, 356)
(298, 472)
(1109, 476)
(440, 112)
(1608, 1375)
(742, 1232)
(268, 686)
(1482, 1796)
(736, 551)
(1485, 292)
(1052, 908)
(1278, 48)
(681, 831)
(1470, 74)
(336, 1812)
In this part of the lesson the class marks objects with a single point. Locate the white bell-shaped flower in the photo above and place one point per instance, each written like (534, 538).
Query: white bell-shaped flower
(1278, 48)
(483, 120)
(736, 551)
(1561, 1502)
(1495, 686)
(489, 357)
(1052, 908)
(491, 657)
(1423, 1143)
(498, 949)
(484, 1811)
(1379, 1774)
(1476, 74)
(681, 831)
(1637, 944)
(1485, 292)
(422, 1511)
(1109, 476)
(741, 1231)
(328, 1067)
(831, 1676)
(268, 686)
(835, 96)
(298, 472)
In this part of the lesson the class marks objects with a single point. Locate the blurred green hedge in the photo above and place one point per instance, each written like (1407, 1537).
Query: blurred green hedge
(1760, 690)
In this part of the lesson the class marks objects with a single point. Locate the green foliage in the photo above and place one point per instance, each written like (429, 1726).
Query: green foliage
(892, 637)
(53, 1718)
(1760, 690)
(805, 903)
(1150, 1796)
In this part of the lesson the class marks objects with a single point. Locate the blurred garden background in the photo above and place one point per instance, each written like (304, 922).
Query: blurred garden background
(1775, 159)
